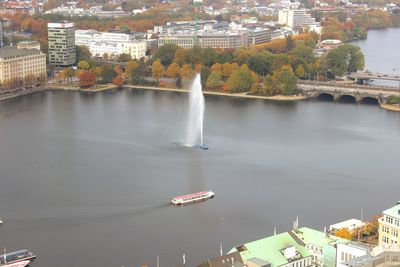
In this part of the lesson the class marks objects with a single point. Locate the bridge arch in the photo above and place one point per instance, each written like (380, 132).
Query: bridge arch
(325, 97)
(347, 99)
(369, 100)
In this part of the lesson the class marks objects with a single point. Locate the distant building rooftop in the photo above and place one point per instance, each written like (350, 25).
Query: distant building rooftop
(350, 224)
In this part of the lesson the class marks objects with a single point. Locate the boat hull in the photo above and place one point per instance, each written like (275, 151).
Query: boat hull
(16, 264)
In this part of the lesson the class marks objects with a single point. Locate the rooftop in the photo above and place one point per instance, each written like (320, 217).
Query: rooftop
(270, 249)
(12, 51)
(393, 211)
(317, 238)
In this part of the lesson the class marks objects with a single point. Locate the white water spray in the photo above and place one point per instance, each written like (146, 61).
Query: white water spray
(194, 128)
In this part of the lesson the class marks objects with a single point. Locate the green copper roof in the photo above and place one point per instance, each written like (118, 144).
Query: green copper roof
(317, 238)
(393, 211)
(269, 249)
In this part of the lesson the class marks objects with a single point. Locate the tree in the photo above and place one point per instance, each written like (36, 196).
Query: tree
(157, 70)
(118, 70)
(228, 69)
(208, 56)
(345, 58)
(216, 67)
(124, 57)
(215, 81)
(130, 68)
(105, 56)
(261, 62)
(83, 65)
(87, 78)
(282, 81)
(343, 233)
(240, 80)
(107, 73)
(118, 81)
(29, 81)
(304, 53)
(68, 74)
(173, 72)
(82, 53)
(166, 54)
(299, 71)
(289, 43)
(187, 72)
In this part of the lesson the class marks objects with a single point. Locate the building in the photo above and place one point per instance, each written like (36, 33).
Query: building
(297, 18)
(350, 251)
(329, 44)
(29, 45)
(387, 257)
(281, 250)
(19, 64)
(213, 39)
(61, 37)
(111, 43)
(389, 227)
(259, 36)
(322, 246)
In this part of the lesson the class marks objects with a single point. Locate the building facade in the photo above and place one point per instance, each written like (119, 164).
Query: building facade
(389, 227)
(20, 64)
(296, 18)
(61, 37)
(111, 43)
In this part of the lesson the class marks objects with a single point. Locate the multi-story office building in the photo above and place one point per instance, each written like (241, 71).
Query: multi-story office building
(111, 43)
(213, 39)
(61, 37)
(260, 35)
(389, 227)
(18, 64)
(296, 18)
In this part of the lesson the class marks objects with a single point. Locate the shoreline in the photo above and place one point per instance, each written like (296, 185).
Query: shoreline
(239, 95)
(281, 98)
(390, 107)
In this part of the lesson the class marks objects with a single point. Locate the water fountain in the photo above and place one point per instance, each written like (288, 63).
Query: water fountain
(194, 127)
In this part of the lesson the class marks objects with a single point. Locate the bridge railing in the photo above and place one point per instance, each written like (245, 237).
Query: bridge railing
(351, 86)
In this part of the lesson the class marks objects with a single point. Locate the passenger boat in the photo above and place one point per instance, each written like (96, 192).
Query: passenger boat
(20, 258)
(191, 198)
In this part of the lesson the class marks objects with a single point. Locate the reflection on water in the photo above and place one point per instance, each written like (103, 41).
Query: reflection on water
(92, 175)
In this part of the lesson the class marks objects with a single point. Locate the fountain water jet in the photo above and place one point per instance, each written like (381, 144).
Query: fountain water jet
(194, 127)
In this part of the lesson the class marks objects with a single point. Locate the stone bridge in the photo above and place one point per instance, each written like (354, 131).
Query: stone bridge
(348, 93)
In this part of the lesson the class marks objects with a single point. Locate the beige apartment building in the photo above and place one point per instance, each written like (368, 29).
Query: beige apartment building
(389, 227)
(61, 37)
(18, 64)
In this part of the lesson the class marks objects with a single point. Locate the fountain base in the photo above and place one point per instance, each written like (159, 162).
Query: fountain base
(201, 146)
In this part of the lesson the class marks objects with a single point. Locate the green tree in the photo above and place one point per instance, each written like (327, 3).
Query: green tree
(240, 80)
(290, 44)
(124, 57)
(157, 70)
(304, 53)
(68, 74)
(107, 73)
(215, 80)
(345, 59)
(82, 53)
(166, 54)
(208, 56)
(261, 62)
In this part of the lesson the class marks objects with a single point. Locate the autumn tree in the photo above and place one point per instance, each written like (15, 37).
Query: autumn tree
(215, 80)
(83, 65)
(130, 68)
(228, 69)
(282, 82)
(343, 233)
(187, 72)
(157, 70)
(166, 53)
(216, 67)
(173, 72)
(68, 74)
(118, 80)
(107, 73)
(124, 57)
(87, 78)
(300, 72)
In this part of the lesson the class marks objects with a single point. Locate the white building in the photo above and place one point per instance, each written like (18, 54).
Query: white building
(296, 18)
(110, 43)
(349, 251)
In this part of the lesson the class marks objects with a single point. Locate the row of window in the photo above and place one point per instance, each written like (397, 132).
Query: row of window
(391, 220)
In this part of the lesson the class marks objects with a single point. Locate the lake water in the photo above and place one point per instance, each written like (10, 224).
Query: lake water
(382, 53)
(86, 180)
